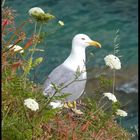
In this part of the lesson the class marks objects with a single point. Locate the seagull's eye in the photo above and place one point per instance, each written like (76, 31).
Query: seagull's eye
(83, 38)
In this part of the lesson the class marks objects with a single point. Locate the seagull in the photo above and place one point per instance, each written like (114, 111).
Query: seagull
(71, 75)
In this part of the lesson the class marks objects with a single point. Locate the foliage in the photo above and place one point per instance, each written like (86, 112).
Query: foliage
(19, 122)
(94, 124)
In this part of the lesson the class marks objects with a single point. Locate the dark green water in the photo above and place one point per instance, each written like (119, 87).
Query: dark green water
(99, 19)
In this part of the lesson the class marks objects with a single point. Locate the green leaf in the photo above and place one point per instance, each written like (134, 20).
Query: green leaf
(28, 66)
(115, 106)
(37, 61)
(63, 96)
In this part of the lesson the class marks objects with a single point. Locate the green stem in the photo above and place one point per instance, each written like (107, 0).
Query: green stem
(39, 29)
(120, 121)
(3, 2)
(107, 108)
(114, 77)
(100, 108)
(36, 43)
(29, 122)
(114, 72)
(31, 57)
(5, 115)
(35, 27)
(25, 113)
(100, 100)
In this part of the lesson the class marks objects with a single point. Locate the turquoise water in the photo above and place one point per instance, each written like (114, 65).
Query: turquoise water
(98, 19)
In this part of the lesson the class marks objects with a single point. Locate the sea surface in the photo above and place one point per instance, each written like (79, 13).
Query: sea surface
(101, 20)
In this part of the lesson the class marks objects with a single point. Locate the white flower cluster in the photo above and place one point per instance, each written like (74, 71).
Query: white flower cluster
(16, 48)
(56, 104)
(112, 61)
(121, 113)
(35, 10)
(110, 96)
(31, 104)
(39, 15)
(61, 23)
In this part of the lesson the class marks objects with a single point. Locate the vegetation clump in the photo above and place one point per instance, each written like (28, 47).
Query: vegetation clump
(20, 118)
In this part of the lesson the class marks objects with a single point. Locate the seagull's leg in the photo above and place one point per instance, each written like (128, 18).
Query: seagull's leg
(74, 105)
(68, 105)
(75, 110)
(65, 105)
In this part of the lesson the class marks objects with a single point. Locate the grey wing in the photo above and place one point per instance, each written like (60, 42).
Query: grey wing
(59, 76)
(64, 77)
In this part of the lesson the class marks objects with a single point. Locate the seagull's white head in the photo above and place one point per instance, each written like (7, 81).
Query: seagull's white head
(83, 40)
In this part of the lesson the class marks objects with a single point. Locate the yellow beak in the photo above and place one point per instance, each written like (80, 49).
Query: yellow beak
(94, 43)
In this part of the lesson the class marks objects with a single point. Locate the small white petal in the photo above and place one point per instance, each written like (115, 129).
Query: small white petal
(56, 104)
(121, 113)
(77, 111)
(61, 23)
(112, 61)
(31, 104)
(110, 96)
(16, 48)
